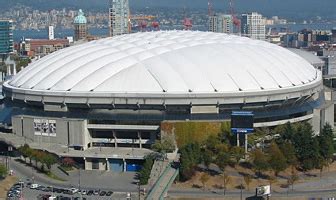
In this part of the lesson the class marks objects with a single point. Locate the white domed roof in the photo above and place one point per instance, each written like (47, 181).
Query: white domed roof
(168, 62)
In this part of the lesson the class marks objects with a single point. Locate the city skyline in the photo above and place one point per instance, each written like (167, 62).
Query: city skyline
(287, 8)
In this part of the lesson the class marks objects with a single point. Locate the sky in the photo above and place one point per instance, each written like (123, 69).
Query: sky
(267, 7)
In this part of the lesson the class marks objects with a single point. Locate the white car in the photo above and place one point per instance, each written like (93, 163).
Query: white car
(74, 190)
(84, 192)
(34, 186)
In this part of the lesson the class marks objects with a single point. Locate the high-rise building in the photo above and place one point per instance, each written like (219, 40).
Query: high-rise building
(253, 26)
(51, 34)
(221, 23)
(6, 37)
(119, 15)
(80, 23)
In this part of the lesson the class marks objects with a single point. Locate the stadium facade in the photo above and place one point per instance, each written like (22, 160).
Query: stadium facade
(103, 101)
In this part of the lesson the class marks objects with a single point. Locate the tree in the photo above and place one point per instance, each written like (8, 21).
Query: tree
(248, 180)
(237, 153)
(226, 181)
(326, 145)
(49, 159)
(259, 161)
(165, 145)
(277, 160)
(288, 151)
(223, 160)
(68, 162)
(204, 179)
(306, 146)
(293, 178)
(190, 157)
(3, 171)
(207, 157)
(286, 132)
(144, 173)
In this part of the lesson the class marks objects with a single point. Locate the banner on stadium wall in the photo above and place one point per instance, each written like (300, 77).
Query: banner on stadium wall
(45, 127)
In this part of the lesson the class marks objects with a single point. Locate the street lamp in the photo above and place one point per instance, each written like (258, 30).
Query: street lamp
(138, 183)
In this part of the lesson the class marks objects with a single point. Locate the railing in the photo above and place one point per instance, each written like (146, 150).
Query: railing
(157, 183)
(169, 184)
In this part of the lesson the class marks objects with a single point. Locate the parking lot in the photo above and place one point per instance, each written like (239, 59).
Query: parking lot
(34, 191)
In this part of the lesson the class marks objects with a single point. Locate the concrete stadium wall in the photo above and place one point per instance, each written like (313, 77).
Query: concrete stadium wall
(68, 131)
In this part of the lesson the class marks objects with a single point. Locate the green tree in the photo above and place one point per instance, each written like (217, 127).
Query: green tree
(259, 161)
(204, 179)
(212, 143)
(49, 159)
(326, 145)
(223, 160)
(3, 171)
(190, 157)
(288, 151)
(237, 153)
(306, 146)
(277, 160)
(207, 157)
(144, 173)
(24, 151)
(165, 145)
(286, 132)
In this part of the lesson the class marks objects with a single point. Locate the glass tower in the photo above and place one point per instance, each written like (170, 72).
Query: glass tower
(6, 37)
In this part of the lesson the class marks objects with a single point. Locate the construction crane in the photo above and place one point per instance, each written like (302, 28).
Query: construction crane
(142, 21)
(236, 21)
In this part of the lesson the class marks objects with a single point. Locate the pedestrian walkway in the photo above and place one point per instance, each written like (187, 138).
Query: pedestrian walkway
(157, 170)
(163, 183)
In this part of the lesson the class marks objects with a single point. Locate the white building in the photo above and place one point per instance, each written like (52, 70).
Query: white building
(221, 24)
(51, 34)
(253, 26)
(119, 15)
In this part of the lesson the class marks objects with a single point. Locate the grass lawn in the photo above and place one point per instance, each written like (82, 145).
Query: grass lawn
(5, 185)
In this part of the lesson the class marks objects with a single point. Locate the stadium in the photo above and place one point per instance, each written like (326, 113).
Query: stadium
(100, 100)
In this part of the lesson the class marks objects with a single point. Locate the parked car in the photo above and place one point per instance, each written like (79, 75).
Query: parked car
(73, 190)
(109, 193)
(102, 193)
(34, 186)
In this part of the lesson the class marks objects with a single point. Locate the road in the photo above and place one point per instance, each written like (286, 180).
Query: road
(198, 193)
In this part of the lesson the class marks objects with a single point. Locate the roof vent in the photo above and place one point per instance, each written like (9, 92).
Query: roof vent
(240, 89)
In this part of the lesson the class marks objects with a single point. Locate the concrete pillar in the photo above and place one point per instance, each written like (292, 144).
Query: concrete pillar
(107, 165)
(238, 140)
(152, 137)
(139, 136)
(245, 143)
(115, 139)
(8, 70)
(125, 165)
(14, 70)
(87, 164)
